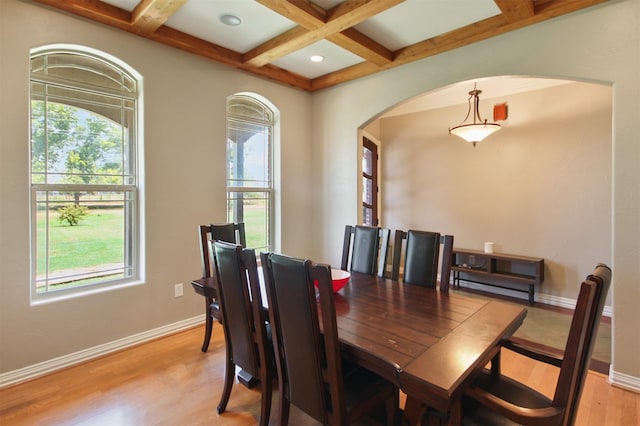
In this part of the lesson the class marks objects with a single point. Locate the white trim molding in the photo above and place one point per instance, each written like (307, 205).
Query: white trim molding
(31, 372)
(47, 367)
(547, 299)
(624, 381)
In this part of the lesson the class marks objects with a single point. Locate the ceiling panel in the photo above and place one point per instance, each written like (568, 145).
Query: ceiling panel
(336, 58)
(356, 37)
(416, 20)
(201, 19)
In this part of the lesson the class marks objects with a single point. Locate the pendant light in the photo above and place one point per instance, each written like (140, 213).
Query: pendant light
(479, 129)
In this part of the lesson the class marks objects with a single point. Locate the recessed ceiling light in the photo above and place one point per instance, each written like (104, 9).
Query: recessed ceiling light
(317, 58)
(229, 19)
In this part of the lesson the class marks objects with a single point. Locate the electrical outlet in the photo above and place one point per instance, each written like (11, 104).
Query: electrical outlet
(178, 290)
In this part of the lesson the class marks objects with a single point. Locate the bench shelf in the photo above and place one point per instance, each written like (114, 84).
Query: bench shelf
(513, 272)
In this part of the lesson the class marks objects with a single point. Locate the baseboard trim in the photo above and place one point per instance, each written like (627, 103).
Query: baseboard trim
(31, 372)
(47, 367)
(547, 299)
(624, 381)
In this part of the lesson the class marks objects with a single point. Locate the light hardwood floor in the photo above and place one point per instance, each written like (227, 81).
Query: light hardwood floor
(170, 382)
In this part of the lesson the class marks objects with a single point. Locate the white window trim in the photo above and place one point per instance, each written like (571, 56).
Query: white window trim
(274, 199)
(138, 236)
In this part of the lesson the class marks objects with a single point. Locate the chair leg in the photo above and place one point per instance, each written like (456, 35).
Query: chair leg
(208, 326)
(265, 406)
(229, 373)
(284, 411)
(283, 403)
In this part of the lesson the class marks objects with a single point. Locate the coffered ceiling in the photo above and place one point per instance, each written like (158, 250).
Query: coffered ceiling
(276, 38)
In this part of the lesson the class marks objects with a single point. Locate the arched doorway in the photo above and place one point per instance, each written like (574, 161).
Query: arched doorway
(541, 186)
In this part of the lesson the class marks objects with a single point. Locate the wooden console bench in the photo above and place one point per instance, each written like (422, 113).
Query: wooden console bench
(513, 272)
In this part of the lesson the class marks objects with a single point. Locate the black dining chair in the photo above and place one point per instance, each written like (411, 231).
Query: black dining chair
(244, 321)
(495, 399)
(311, 371)
(229, 232)
(364, 249)
(422, 258)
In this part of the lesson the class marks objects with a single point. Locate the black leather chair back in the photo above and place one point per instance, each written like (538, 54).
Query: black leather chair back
(229, 232)
(294, 314)
(244, 322)
(364, 249)
(364, 254)
(309, 362)
(572, 382)
(501, 397)
(421, 258)
(205, 250)
(236, 307)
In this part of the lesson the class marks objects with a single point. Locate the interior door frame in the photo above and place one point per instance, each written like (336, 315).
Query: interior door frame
(374, 205)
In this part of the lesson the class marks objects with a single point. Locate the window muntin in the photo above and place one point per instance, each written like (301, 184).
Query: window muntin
(369, 183)
(93, 260)
(250, 129)
(254, 207)
(83, 153)
(248, 153)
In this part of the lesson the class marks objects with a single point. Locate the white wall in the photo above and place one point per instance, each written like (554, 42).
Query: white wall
(540, 187)
(599, 44)
(184, 110)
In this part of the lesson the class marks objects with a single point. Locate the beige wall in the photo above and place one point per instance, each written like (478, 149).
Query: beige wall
(185, 173)
(539, 187)
(599, 44)
(184, 113)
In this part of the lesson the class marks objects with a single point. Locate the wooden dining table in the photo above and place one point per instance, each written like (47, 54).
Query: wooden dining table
(428, 342)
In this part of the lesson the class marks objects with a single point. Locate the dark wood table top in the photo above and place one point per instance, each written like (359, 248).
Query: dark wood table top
(434, 340)
(426, 341)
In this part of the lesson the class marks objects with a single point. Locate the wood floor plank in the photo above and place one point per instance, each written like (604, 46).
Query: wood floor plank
(169, 381)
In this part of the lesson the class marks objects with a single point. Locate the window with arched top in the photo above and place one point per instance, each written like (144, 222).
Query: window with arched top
(85, 173)
(251, 125)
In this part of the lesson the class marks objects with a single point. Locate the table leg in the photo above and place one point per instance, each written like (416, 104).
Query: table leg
(455, 415)
(495, 364)
(413, 411)
(417, 413)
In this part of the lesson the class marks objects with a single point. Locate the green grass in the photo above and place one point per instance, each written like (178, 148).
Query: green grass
(97, 240)
(254, 228)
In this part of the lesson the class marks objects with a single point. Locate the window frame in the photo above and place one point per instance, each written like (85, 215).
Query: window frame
(369, 145)
(131, 175)
(270, 189)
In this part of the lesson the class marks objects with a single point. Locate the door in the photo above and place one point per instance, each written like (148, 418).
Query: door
(369, 182)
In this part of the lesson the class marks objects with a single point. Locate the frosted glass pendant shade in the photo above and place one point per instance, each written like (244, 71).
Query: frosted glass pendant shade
(474, 132)
(479, 129)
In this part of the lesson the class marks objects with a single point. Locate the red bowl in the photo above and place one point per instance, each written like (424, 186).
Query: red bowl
(339, 278)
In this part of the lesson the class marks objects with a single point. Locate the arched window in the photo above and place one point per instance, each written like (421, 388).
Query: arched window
(250, 182)
(84, 171)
